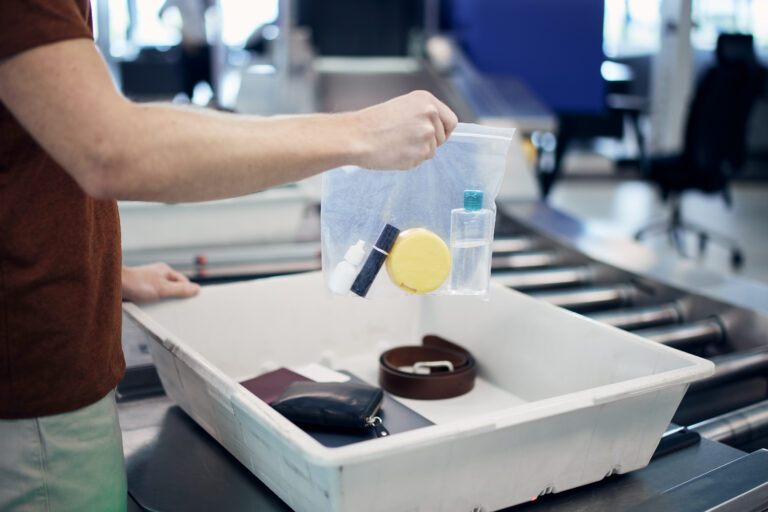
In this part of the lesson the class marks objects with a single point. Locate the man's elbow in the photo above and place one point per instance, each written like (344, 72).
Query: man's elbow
(104, 176)
(98, 185)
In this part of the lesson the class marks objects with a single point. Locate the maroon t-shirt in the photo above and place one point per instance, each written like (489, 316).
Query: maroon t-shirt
(60, 289)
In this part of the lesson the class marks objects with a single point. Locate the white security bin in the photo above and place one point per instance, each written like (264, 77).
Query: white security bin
(560, 400)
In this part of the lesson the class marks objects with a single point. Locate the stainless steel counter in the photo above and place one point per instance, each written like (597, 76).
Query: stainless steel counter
(174, 465)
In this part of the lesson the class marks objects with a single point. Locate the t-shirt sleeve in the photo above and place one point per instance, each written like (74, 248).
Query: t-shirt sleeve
(25, 24)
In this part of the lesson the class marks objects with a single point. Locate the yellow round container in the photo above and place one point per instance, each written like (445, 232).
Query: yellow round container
(419, 261)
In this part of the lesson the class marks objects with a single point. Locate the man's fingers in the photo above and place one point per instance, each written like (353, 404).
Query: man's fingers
(180, 289)
(447, 118)
(432, 149)
(440, 134)
(172, 275)
(176, 284)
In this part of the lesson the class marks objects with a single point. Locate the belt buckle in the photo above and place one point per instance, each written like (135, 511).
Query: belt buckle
(426, 367)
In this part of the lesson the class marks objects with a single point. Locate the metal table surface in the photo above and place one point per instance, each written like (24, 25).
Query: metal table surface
(174, 465)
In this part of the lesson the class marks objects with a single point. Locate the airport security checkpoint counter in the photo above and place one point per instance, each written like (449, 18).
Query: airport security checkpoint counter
(191, 471)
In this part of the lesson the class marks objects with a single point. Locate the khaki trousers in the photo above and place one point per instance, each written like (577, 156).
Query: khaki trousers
(64, 462)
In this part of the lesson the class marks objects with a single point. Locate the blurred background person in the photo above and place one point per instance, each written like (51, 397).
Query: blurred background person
(195, 50)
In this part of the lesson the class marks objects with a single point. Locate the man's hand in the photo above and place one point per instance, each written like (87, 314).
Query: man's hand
(153, 282)
(404, 131)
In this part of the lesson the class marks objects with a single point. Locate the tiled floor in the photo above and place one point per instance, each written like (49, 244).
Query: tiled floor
(620, 208)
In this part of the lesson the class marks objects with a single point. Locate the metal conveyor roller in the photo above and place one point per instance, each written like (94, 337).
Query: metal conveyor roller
(687, 336)
(592, 298)
(514, 244)
(733, 367)
(736, 427)
(640, 318)
(548, 278)
(526, 260)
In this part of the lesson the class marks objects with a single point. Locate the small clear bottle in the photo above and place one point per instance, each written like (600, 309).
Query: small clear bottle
(471, 238)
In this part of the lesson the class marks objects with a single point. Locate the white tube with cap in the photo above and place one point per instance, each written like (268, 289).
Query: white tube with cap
(345, 272)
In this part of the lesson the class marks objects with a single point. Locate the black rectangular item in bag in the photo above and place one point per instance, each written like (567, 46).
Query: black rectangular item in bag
(332, 405)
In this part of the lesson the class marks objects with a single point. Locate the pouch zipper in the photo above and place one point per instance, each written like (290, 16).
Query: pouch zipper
(377, 425)
(376, 422)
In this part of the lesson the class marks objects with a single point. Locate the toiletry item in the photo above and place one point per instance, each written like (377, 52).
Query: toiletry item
(471, 238)
(419, 262)
(346, 271)
(375, 260)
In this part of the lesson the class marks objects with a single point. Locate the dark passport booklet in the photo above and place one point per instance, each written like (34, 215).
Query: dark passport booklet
(271, 385)
(395, 416)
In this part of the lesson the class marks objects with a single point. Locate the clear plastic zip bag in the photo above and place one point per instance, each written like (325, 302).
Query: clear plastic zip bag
(427, 230)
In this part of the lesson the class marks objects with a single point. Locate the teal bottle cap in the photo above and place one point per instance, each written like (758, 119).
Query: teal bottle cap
(473, 200)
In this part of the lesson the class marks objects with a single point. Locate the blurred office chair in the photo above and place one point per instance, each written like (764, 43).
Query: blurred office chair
(714, 147)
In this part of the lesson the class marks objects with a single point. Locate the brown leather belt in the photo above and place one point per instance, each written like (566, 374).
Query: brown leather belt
(436, 369)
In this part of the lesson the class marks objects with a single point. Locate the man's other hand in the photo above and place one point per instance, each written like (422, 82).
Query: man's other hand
(153, 282)
(404, 131)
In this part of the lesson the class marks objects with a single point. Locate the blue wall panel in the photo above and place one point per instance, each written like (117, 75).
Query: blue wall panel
(555, 46)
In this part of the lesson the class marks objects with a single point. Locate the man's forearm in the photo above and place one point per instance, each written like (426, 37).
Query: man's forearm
(164, 153)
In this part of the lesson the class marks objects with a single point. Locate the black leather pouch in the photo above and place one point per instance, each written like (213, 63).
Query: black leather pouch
(332, 405)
